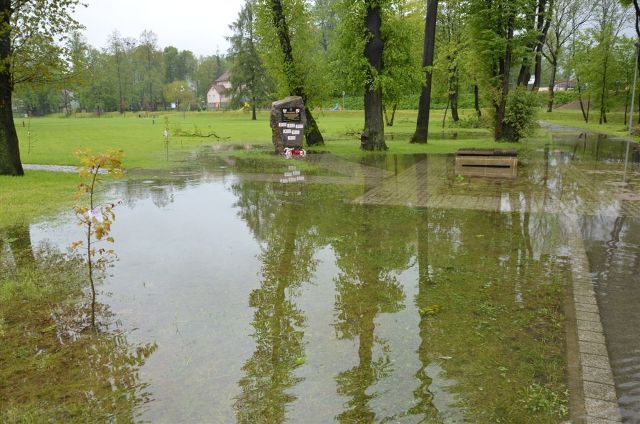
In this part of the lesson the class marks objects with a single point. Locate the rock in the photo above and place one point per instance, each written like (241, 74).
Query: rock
(288, 121)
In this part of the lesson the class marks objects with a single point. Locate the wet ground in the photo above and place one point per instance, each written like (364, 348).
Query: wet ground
(384, 288)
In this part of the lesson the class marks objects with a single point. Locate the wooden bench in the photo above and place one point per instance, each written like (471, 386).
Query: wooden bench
(494, 163)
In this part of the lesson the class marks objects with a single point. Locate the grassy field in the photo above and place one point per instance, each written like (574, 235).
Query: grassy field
(53, 140)
(573, 118)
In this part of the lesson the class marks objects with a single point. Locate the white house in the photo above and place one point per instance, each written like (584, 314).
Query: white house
(219, 94)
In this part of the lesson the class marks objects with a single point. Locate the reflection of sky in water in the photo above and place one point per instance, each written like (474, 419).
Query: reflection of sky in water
(189, 264)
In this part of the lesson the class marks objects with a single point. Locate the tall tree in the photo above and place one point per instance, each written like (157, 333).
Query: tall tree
(28, 52)
(373, 135)
(170, 59)
(373, 55)
(208, 69)
(401, 74)
(120, 49)
(538, 14)
(422, 124)
(326, 20)
(451, 58)
(611, 18)
(567, 16)
(284, 28)
(249, 80)
(499, 31)
(148, 60)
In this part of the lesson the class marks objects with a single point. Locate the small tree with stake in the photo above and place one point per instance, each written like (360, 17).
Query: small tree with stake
(96, 218)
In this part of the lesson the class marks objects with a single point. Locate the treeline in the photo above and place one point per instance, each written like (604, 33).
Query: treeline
(487, 56)
(127, 75)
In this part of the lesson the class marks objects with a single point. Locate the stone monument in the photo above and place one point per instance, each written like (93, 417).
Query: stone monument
(288, 121)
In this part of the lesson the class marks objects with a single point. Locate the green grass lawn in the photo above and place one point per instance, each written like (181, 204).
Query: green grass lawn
(54, 140)
(616, 124)
(37, 194)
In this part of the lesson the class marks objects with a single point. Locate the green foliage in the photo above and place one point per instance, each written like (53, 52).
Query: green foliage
(95, 218)
(249, 80)
(39, 30)
(521, 113)
(561, 97)
(471, 121)
(308, 67)
(501, 38)
(402, 34)
(402, 74)
(180, 93)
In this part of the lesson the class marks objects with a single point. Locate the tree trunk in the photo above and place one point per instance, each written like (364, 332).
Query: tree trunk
(603, 94)
(446, 109)
(544, 22)
(453, 89)
(476, 100)
(453, 101)
(504, 131)
(390, 119)
(552, 85)
(639, 108)
(9, 149)
(422, 124)
(253, 109)
(296, 87)
(537, 70)
(525, 73)
(585, 115)
(373, 135)
(626, 106)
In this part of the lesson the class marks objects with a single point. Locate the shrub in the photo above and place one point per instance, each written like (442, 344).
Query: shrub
(521, 113)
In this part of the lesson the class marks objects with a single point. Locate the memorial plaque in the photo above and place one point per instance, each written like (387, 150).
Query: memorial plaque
(291, 114)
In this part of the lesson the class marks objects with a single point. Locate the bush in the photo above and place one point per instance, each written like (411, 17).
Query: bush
(471, 121)
(521, 113)
(562, 97)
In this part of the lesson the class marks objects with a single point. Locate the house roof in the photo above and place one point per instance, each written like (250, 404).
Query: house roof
(221, 89)
(224, 77)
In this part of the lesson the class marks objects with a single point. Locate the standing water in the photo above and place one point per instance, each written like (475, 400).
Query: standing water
(354, 290)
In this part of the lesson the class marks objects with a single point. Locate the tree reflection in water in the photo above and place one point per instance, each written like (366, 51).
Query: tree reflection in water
(52, 367)
(368, 257)
(287, 262)
(365, 288)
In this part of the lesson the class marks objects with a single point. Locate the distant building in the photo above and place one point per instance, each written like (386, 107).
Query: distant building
(219, 94)
(564, 85)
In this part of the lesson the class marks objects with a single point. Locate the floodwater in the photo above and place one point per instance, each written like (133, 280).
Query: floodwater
(365, 289)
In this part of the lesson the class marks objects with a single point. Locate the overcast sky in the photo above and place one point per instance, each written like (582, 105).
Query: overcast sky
(196, 25)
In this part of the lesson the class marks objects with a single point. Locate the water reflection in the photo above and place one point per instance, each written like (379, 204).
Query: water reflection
(287, 262)
(52, 366)
(613, 248)
(381, 288)
(367, 286)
